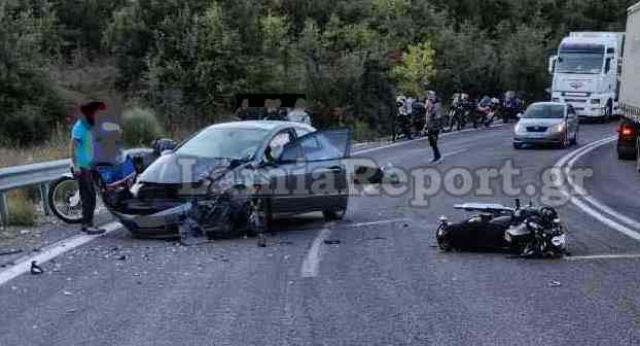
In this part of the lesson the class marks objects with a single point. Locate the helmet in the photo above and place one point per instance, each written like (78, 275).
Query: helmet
(509, 94)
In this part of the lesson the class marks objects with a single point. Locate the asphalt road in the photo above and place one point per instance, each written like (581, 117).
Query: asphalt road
(379, 281)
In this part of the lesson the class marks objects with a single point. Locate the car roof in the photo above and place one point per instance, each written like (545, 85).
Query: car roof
(268, 125)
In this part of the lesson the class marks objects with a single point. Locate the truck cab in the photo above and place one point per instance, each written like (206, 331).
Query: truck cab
(586, 73)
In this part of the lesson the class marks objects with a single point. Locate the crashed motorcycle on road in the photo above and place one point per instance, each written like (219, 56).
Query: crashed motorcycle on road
(531, 232)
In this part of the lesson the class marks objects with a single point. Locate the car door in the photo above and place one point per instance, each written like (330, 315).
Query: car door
(322, 154)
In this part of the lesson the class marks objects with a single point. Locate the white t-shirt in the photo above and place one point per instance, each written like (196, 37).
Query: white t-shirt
(299, 116)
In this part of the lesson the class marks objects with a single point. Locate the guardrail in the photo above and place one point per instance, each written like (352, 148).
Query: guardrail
(29, 175)
(37, 174)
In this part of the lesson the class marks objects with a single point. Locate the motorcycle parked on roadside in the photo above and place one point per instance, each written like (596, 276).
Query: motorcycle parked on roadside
(512, 107)
(418, 118)
(403, 119)
(460, 112)
(531, 232)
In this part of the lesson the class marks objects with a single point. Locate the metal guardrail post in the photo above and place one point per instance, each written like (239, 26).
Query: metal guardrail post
(44, 193)
(4, 212)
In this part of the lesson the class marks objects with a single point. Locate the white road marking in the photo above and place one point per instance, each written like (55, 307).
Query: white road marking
(590, 205)
(311, 264)
(376, 223)
(597, 257)
(52, 251)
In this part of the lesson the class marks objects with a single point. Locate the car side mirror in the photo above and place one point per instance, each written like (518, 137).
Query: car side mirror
(519, 115)
(552, 63)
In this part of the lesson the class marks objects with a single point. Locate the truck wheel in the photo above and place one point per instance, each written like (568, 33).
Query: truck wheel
(608, 112)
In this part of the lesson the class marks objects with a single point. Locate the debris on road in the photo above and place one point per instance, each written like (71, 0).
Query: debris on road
(374, 238)
(554, 283)
(122, 258)
(67, 293)
(332, 242)
(36, 269)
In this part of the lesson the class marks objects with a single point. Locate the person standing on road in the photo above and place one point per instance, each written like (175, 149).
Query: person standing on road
(432, 125)
(82, 157)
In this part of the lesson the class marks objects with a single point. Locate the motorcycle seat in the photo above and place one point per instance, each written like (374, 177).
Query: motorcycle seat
(503, 221)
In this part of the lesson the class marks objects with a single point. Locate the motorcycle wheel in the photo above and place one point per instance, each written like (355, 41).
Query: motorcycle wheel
(64, 200)
(442, 237)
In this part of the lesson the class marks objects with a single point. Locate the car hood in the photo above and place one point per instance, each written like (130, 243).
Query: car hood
(174, 169)
(539, 122)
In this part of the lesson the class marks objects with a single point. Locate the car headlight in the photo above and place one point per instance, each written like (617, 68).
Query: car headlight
(135, 189)
(558, 127)
(559, 241)
(595, 101)
(519, 128)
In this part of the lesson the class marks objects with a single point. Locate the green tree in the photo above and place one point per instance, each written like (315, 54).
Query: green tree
(416, 69)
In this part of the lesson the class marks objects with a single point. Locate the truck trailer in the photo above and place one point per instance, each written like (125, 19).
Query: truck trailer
(630, 90)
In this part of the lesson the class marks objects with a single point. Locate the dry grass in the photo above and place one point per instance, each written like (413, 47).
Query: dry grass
(21, 209)
(54, 149)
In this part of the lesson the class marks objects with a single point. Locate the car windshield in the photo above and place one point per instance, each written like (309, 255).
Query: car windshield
(227, 143)
(587, 59)
(544, 112)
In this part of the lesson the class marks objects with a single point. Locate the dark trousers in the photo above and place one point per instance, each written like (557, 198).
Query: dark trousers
(87, 196)
(433, 142)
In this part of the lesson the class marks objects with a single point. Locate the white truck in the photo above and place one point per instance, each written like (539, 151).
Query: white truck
(586, 73)
(629, 130)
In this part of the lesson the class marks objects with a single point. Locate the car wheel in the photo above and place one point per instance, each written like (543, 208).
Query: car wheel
(565, 142)
(517, 146)
(334, 215)
(443, 239)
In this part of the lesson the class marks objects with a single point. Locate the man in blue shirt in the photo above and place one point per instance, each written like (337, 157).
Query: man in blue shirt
(82, 156)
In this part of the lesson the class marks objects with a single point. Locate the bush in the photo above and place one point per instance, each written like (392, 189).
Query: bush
(21, 210)
(140, 126)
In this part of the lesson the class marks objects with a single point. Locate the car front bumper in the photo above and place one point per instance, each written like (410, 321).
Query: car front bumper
(156, 225)
(553, 138)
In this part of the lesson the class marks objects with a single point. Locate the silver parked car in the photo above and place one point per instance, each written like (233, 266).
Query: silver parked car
(551, 123)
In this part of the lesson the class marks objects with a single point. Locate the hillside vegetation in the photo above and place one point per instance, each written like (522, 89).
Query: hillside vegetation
(185, 59)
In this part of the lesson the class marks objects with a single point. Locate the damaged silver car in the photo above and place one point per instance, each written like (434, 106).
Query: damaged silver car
(236, 176)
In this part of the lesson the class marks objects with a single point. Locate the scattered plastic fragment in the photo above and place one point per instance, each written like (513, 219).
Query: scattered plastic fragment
(36, 269)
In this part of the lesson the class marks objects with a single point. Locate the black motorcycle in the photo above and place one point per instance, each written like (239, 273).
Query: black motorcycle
(404, 121)
(532, 232)
(418, 118)
(460, 113)
(511, 108)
